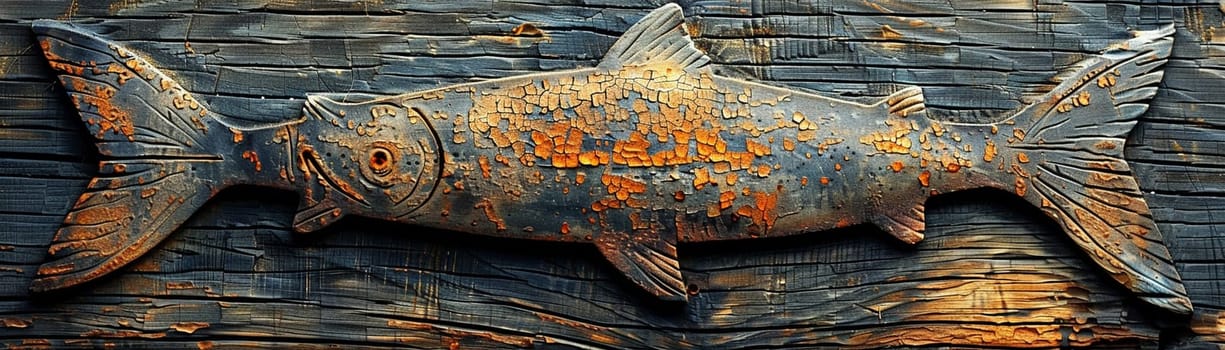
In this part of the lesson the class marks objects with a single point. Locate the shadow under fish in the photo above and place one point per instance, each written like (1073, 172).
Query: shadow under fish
(646, 150)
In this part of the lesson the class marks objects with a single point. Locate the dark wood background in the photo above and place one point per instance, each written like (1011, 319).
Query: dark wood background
(993, 272)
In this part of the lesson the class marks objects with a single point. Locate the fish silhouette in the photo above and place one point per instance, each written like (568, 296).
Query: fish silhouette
(648, 149)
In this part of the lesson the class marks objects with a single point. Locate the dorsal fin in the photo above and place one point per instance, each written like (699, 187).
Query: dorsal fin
(658, 37)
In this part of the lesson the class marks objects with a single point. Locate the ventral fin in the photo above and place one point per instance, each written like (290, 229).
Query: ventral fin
(648, 260)
(905, 223)
(316, 216)
(907, 102)
(661, 36)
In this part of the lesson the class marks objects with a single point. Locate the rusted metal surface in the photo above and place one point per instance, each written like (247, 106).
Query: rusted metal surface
(646, 150)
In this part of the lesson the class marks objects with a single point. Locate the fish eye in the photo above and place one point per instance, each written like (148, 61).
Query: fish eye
(381, 164)
(380, 161)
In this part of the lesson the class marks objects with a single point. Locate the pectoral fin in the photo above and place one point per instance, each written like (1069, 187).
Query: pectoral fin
(905, 223)
(648, 260)
(315, 216)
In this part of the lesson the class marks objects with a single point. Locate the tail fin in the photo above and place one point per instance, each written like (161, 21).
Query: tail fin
(1064, 154)
(152, 137)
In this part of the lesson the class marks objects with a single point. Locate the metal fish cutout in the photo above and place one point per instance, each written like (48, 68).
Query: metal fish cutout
(646, 150)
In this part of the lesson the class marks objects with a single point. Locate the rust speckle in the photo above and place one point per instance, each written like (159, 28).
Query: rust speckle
(1022, 157)
(925, 178)
(679, 196)
(1105, 145)
(204, 345)
(897, 166)
(1020, 186)
(565, 228)
(825, 181)
(952, 167)
(237, 135)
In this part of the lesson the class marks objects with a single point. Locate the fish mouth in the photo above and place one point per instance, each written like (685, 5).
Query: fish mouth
(314, 161)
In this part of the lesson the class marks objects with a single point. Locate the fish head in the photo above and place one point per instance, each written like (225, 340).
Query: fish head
(377, 159)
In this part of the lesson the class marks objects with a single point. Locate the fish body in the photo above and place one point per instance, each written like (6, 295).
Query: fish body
(646, 150)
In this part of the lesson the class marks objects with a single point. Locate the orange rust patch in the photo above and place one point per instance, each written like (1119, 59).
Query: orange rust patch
(188, 327)
(10, 322)
(48, 270)
(887, 32)
(763, 170)
(113, 119)
(527, 29)
(1105, 145)
(1106, 81)
(756, 149)
(237, 135)
(253, 158)
(679, 196)
(701, 177)
(483, 161)
(990, 152)
(825, 181)
(487, 207)
(725, 199)
(837, 166)
(952, 167)
(842, 222)
(893, 141)
(925, 178)
(1020, 186)
(763, 211)
(565, 228)
(1022, 157)
(825, 144)
(804, 181)
(622, 187)
(897, 166)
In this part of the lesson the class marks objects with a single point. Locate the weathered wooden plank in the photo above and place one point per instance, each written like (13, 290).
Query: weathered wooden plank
(368, 284)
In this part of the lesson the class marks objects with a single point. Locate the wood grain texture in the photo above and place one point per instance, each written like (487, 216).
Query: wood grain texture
(990, 272)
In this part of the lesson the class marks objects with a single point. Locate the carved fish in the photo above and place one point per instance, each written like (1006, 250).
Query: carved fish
(645, 150)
